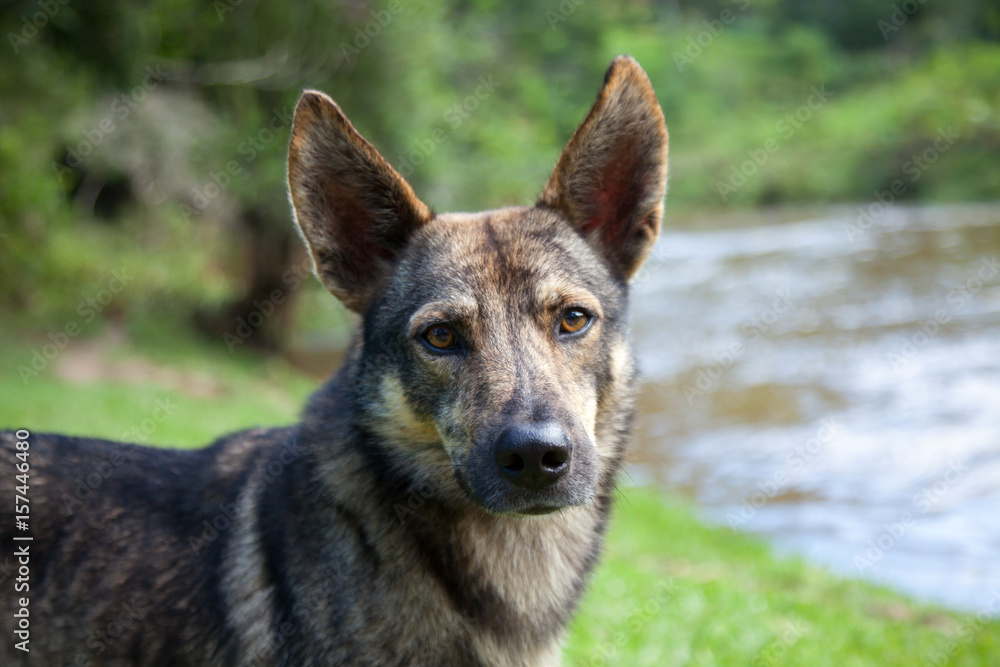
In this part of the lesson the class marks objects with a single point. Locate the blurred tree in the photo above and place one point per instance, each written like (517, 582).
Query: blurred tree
(159, 127)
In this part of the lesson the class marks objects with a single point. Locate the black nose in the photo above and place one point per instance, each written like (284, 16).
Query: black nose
(532, 456)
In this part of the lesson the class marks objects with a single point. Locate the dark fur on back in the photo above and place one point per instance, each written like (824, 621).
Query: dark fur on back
(386, 528)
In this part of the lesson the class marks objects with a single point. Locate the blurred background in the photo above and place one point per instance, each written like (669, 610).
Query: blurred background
(817, 328)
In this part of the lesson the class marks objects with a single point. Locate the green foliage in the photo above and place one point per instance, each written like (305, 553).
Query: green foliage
(472, 101)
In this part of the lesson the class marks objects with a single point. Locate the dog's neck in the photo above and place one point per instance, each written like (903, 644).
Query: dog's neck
(517, 578)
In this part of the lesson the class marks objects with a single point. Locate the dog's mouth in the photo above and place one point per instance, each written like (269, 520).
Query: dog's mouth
(526, 510)
(497, 500)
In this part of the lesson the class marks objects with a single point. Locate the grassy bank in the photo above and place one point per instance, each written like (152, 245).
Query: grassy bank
(669, 591)
(673, 591)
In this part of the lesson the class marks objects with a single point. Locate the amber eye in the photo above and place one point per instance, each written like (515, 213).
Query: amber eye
(573, 321)
(441, 337)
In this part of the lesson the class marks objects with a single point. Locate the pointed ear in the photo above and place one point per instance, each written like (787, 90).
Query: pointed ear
(612, 176)
(354, 211)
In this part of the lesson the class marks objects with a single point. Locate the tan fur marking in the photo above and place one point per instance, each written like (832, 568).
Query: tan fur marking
(397, 420)
(458, 307)
(548, 547)
(555, 292)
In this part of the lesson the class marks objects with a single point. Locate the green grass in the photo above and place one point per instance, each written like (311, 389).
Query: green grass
(669, 591)
(207, 391)
(673, 591)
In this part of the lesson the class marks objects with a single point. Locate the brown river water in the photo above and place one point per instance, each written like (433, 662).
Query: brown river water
(832, 381)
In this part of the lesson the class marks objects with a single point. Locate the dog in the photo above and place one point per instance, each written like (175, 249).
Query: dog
(444, 497)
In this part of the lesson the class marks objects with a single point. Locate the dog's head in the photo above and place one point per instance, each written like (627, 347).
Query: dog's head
(495, 347)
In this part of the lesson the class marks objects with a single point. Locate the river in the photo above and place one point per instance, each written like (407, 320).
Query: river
(831, 380)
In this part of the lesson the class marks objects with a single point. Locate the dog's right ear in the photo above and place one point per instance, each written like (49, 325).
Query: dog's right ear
(354, 210)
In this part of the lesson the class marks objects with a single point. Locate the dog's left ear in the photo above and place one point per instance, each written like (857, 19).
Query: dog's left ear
(355, 211)
(612, 176)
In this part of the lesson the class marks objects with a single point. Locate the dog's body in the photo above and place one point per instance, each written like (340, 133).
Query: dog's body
(444, 497)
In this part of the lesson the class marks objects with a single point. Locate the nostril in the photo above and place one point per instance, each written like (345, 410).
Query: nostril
(553, 460)
(512, 463)
(532, 456)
